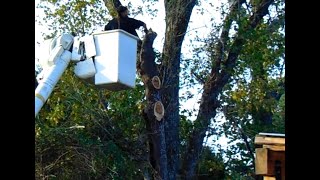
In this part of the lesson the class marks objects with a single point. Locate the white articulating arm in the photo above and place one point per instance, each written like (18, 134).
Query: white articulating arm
(92, 57)
(58, 62)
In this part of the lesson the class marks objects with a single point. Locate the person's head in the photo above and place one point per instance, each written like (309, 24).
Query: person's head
(122, 11)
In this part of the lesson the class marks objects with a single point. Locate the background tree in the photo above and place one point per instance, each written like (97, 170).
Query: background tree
(252, 99)
(96, 133)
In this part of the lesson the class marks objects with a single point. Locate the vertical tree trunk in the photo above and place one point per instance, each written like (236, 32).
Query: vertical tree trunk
(178, 14)
(154, 111)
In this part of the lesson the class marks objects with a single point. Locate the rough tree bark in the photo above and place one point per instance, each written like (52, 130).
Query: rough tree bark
(219, 77)
(178, 14)
(154, 111)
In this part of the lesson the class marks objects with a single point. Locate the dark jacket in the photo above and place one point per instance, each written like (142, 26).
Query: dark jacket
(128, 24)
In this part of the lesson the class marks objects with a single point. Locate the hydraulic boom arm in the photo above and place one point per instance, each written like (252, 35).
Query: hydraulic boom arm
(58, 62)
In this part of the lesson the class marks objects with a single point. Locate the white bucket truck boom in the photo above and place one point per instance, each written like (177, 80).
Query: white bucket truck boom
(109, 59)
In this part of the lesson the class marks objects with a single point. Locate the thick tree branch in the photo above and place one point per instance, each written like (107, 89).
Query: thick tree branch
(224, 37)
(114, 3)
(154, 110)
(213, 86)
(112, 6)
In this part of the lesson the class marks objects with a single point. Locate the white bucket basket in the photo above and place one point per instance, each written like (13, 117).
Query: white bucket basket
(115, 60)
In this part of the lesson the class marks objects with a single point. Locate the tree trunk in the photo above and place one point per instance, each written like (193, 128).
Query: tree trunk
(178, 14)
(162, 89)
(154, 111)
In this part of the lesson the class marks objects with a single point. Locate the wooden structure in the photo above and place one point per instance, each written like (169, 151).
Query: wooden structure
(270, 156)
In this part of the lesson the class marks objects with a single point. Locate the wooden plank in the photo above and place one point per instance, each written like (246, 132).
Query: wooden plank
(261, 161)
(275, 147)
(269, 140)
(269, 178)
